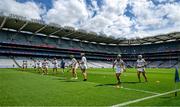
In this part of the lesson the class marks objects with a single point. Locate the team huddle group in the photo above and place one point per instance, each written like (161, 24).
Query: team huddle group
(118, 64)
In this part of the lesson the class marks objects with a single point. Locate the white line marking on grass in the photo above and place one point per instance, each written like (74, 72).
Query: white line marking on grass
(145, 98)
(141, 91)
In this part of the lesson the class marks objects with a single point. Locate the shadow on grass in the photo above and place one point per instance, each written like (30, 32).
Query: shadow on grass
(70, 81)
(114, 84)
(105, 85)
(59, 78)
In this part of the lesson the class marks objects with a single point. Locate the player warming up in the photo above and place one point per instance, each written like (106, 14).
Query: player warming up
(45, 66)
(120, 67)
(39, 66)
(35, 65)
(62, 65)
(24, 65)
(83, 66)
(141, 63)
(55, 65)
(74, 66)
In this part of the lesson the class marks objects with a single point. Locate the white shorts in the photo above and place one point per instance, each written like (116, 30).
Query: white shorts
(55, 66)
(45, 67)
(39, 67)
(83, 66)
(141, 69)
(119, 70)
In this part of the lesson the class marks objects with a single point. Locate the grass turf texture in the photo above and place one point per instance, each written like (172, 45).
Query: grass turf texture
(29, 88)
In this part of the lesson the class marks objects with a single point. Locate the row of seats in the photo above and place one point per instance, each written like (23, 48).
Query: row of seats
(10, 62)
(28, 39)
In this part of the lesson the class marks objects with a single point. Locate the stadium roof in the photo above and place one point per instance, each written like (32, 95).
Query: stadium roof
(38, 27)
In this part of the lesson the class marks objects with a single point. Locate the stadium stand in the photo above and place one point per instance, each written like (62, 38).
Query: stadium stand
(35, 40)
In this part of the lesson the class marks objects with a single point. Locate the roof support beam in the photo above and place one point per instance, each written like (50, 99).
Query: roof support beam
(78, 36)
(159, 39)
(69, 34)
(56, 31)
(171, 37)
(146, 40)
(40, 29)
(4, 21)
(140, 42)
(30, 39)
(118, 42)
(23, 26)
(90, 38)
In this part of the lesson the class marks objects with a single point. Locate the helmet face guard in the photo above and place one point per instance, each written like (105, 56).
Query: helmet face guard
(118, 56)
(71, 56)
(140, 56)
(82, 54)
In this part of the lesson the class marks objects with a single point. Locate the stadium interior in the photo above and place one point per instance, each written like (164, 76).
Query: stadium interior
(21, 39)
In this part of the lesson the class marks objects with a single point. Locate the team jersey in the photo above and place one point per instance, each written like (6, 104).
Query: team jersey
(35, 64)
(62, 64)
(119, 64)
(39, 64)
(141, 63)
(84, 61)
(25, 63)
(45, 64)
(74, 62)
(55, 63)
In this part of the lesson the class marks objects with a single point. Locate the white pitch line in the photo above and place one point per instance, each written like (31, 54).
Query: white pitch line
(145, 98)
(142, 91)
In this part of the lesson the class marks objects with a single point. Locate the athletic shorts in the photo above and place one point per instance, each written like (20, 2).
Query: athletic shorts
(83, 67)
(141, 69)
(39, 67)
(63, 67)
(45, 67)
(75, 66)
(119, 70)
(55, 67)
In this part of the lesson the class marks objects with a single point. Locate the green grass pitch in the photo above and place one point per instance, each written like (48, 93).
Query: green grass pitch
(29, 88)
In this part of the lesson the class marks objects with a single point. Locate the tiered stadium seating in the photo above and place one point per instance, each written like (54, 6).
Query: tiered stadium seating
(20, 44)
(6, 62)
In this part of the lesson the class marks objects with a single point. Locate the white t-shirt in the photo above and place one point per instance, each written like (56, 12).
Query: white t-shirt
(141, 63)
(55, 63)
(119, 63)
(83, 63)
(39, 64)
(24, 62)
(74, 63)
(35, 63)
(45, 64)
(119, 66)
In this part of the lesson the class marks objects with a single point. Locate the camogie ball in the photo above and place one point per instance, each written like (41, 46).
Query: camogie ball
(117, 86)
(157, 81)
